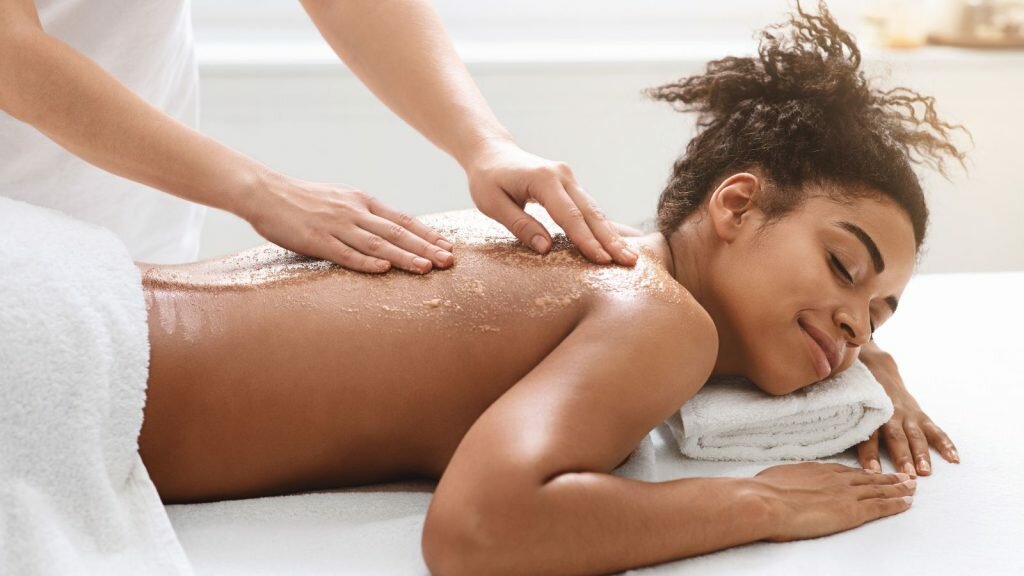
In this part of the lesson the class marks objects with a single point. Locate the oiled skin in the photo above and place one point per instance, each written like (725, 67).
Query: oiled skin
(265, 381)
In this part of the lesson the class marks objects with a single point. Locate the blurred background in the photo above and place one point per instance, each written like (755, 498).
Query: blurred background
(565, 78)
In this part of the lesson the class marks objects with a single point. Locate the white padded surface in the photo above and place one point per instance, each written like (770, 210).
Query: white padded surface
(956, 338)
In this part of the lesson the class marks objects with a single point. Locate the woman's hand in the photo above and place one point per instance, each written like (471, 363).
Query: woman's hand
(343, 225)
(816, 498)
(910, 431)
(503, 178)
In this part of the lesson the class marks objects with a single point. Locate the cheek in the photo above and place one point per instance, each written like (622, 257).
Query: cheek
(773, 288)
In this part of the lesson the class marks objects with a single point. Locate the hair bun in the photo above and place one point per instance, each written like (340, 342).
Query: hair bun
(814, 60)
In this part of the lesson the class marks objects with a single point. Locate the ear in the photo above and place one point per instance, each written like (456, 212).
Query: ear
(733, 205)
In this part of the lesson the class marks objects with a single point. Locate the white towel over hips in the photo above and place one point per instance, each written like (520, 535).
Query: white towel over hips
(75, 497)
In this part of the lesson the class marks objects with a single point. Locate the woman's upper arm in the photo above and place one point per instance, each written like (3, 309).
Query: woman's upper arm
(622, 371)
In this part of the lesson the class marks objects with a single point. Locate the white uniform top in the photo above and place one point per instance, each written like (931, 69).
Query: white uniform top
(148, 46)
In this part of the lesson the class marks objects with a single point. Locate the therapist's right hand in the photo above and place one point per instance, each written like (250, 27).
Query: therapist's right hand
(343, 225)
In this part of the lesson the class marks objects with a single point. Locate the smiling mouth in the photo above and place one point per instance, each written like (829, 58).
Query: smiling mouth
(820, 360)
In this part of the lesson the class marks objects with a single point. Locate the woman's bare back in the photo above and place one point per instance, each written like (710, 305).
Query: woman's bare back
(271, 373)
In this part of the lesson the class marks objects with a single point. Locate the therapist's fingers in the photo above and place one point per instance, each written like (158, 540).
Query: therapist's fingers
(401, 245)
(523, 226)
(867, 453)
(552, 195)
(604, 230)
(941, 442)
(335, 250)
(371, 244)
(899, 447)
(411, 224)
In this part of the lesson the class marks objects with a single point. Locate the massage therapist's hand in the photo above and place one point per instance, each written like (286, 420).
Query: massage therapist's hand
(813, 499)
(910, 431)
(503, 178)
(341, 224)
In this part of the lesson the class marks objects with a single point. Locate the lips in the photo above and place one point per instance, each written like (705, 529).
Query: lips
(826, 345)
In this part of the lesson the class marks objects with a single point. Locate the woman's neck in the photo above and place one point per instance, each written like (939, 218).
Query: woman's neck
(687, 255)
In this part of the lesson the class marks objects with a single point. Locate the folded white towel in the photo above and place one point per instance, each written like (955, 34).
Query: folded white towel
(732, 419)
(75, 497)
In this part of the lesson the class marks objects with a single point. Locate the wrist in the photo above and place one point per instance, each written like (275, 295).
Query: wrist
(763, 505)
(251, 182)
(479, 147)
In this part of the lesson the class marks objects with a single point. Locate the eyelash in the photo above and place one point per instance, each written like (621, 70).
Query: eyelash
(849, 279)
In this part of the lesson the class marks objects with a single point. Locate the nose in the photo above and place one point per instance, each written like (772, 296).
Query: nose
(856, 327)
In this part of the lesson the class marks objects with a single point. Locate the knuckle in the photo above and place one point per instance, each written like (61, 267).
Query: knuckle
(396, 231)
(914, 433)
(374, 243)
(405, 220)
(574, 213)
(345, 255)
(519, 225)
(893, 433)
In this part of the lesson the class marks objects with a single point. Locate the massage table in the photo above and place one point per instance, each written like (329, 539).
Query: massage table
(955, 338)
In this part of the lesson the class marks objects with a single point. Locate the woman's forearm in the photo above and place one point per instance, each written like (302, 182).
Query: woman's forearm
(68, 97)
(592, 523)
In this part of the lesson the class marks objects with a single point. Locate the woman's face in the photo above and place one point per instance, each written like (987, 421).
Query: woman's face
(824, 272)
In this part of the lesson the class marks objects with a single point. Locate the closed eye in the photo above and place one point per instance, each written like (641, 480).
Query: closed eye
(849, 279)
(839, 266)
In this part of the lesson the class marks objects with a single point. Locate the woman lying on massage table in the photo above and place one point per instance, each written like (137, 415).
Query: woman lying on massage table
(520, 380)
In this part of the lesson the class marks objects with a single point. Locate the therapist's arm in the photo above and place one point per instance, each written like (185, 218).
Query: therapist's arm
(69, 98)
(400, 50)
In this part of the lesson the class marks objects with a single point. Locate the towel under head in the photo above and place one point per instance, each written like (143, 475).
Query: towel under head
(733, 419)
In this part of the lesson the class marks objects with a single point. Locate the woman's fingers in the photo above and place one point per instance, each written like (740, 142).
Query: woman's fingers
(940, 441)
(402, 245)
(918, 447)
(888, 489)
(867, 453)
(899, 448)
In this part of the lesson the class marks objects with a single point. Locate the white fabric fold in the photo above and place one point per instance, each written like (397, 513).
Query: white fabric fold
(75, 497)
(733, 419)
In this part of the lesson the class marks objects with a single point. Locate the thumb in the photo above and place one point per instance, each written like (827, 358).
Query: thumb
(520, 224)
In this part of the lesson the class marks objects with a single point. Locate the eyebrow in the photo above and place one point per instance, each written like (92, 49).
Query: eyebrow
(876, 255)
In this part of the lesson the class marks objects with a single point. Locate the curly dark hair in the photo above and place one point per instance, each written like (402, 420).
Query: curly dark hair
(802, 113)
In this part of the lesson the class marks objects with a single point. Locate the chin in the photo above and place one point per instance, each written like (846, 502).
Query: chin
(782, 382)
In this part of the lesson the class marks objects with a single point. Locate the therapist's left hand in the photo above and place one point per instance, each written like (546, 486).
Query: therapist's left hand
(910, 433)
(503, 178)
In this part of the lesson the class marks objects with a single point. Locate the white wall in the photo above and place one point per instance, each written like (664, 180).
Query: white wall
(292, 105)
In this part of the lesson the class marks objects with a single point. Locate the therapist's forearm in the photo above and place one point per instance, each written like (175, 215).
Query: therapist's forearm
(72, 100)
(401, 51)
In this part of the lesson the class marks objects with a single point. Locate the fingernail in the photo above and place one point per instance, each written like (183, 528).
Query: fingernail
(421, 263)
(924, 466)
(956, 456)
(629, 253)
(875, 467)
(539, 243)
(903, 477)
(604, 256)
(908, 499)
(444, 257)
(909, 469)
(445, 244)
